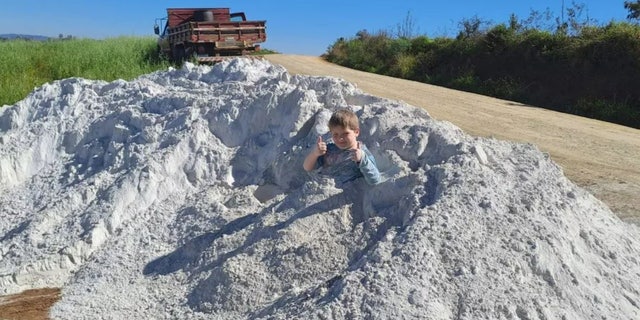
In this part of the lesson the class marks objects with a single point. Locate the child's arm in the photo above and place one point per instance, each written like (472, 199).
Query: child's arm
(312, 158)
(367, 165)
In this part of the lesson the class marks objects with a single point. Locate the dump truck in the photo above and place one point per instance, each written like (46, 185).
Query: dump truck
(207, 34)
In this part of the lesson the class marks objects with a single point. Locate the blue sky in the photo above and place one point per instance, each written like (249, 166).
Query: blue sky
(295, 27)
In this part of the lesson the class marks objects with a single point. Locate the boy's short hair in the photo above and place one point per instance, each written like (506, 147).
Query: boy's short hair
(344, 118)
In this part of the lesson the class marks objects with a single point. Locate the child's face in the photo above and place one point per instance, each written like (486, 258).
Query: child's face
(344, 138)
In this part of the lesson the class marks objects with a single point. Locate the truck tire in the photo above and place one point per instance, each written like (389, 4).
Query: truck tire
(190, 54)
(178, 55)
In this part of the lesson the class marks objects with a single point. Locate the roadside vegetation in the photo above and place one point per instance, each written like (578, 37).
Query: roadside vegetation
(569, 63)
(25, 64)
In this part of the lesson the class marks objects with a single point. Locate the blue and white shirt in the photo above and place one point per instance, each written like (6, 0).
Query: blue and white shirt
(339, 164)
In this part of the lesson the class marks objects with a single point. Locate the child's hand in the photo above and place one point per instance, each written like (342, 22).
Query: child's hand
(321, 147)
(356, 154)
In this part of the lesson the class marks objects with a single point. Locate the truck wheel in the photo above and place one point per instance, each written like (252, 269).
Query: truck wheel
(190, 54)
(178, 55)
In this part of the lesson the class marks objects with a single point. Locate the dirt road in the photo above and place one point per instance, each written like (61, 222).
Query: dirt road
(28, 305)
(601, 157)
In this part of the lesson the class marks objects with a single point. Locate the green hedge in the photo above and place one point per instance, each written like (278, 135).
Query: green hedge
(594, 73)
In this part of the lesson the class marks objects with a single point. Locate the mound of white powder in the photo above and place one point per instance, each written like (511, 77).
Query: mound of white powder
(181, 194)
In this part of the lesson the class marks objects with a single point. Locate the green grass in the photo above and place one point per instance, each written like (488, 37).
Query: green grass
(25, 65)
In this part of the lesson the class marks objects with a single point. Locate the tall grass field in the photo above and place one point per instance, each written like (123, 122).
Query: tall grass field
(25, 65)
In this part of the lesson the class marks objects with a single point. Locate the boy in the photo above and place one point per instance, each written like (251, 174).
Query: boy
(346, 158)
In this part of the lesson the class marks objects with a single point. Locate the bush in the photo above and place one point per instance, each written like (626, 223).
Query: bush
(499, 39)
(421, 44)
(593, 71)
(405, 66)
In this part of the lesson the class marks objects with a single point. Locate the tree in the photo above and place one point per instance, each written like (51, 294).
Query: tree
(406, 28)
(514, 24)
(471, 27)
(577, 19)
(539, 20)
(634, 9)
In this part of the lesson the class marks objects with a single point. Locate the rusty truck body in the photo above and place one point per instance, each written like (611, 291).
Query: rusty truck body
(208, 34)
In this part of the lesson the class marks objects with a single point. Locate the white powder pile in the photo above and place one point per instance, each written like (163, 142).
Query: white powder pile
(181, 194)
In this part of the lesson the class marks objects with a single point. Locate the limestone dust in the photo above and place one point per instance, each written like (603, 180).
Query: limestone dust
(181, 194)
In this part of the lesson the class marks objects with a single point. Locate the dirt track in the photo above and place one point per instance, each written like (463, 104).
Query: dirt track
(29, 305)
(601, 157)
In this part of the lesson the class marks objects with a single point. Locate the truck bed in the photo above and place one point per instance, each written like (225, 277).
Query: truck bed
(177, 16)
(206, 34)
(226, 33)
